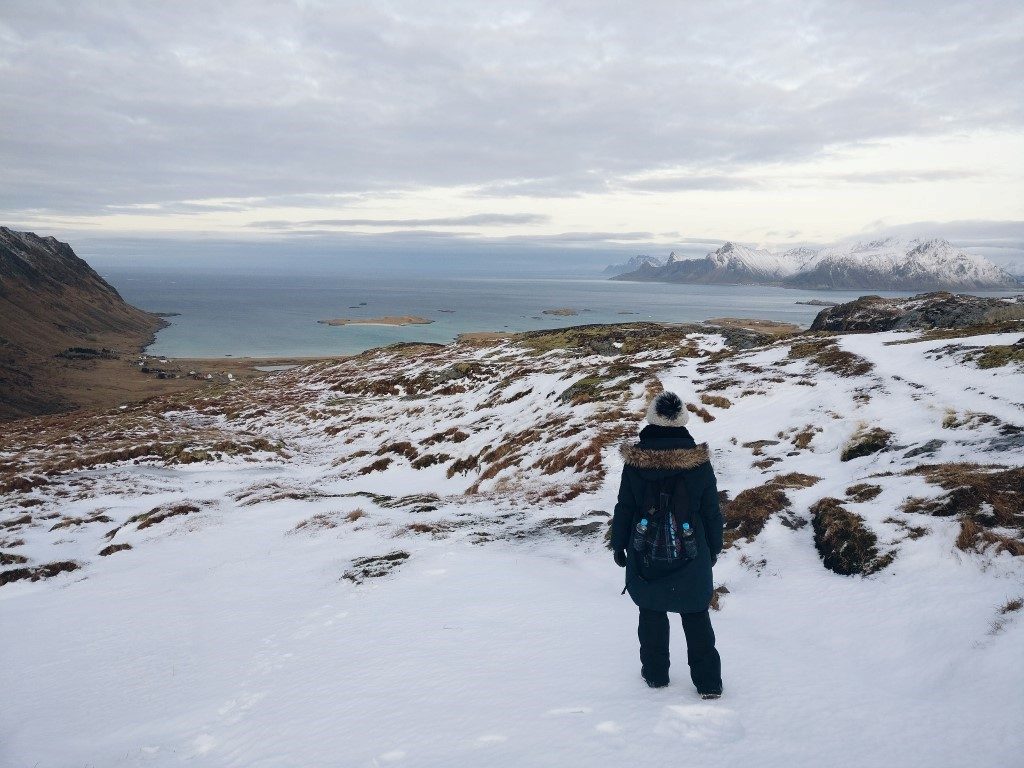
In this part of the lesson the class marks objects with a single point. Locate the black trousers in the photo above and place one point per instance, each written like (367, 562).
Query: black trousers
(701, 655)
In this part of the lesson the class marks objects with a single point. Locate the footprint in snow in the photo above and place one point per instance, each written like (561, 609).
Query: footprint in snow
(570, 711)
(491, 738)
(234, 710)
(700, 722)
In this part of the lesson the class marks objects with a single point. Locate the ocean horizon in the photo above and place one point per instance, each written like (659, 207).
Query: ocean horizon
(241, 315)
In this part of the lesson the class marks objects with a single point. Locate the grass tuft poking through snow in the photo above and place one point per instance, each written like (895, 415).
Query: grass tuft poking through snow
(846, 545)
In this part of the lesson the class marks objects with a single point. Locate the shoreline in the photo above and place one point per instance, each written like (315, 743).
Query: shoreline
(769, 327)
(132, 376)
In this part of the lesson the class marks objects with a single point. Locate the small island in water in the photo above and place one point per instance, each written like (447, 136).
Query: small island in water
(385, 320)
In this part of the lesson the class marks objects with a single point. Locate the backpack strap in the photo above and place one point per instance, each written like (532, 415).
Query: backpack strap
(681, 500)
(652, 492)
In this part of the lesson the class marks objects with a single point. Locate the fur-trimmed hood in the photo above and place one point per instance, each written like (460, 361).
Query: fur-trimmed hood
(664, 458)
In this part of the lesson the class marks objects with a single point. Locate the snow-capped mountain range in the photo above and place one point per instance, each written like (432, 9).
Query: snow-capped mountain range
(635, 263)
(889, 264)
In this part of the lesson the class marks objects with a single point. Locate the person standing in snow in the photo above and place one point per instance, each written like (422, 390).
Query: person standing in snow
(667, 467)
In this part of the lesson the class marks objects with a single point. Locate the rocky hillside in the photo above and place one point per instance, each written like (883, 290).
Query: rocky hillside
(400, 556)
(929, 310)
(891, 264)
(56, 315)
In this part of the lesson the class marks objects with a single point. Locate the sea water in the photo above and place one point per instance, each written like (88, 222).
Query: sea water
(277, 316)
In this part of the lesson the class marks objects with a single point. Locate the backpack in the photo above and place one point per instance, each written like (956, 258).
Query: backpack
(659, 540)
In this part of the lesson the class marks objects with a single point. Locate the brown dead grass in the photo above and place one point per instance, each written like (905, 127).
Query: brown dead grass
(22, 483)
(703, 413)
(795, 480)
(1004, 616)
(866, 441)
(746, 515)
(430, 459)
(378, 466)
(863, 492)
(973, 537)
(846, 545)
(462, 466)
(998, 355)
(452, 435)
(802, 439)
(716, 400)
(716, 385)
(716, 597)
(827, 354)
(38, 572)
(436, 529)
(403, 448)
(969, 419)
(994, 496)
(1012, 605)
(757, 446)
(159, 514)
(69, 522)
(112, 548)
(912, 531)
(17, 521)
(319, 522)
(374, 566)
(168, 452)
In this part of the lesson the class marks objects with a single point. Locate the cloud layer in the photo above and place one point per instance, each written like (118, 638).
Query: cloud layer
(210, 109)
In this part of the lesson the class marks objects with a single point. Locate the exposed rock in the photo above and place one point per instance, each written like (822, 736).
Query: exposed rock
(925, 449)
(927, 310)
(866, 442)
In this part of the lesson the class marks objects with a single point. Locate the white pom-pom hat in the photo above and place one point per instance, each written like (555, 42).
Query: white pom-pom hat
(667, 410)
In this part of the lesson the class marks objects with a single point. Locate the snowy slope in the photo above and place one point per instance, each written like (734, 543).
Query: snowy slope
(757, 262)
(229, 634)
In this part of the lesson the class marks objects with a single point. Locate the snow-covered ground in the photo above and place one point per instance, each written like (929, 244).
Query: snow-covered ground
(244, 628)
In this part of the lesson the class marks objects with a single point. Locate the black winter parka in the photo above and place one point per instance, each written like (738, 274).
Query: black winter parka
(663, 452)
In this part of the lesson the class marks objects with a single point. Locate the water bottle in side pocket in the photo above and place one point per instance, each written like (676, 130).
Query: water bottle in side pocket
(689, 542)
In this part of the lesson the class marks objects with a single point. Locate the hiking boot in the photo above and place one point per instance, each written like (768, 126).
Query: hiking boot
(655, 683)
(711, 695)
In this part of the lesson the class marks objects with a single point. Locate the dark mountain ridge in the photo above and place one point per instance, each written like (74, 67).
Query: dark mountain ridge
(53, 302)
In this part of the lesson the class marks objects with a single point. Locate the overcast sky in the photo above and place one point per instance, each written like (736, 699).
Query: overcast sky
(641, 125)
